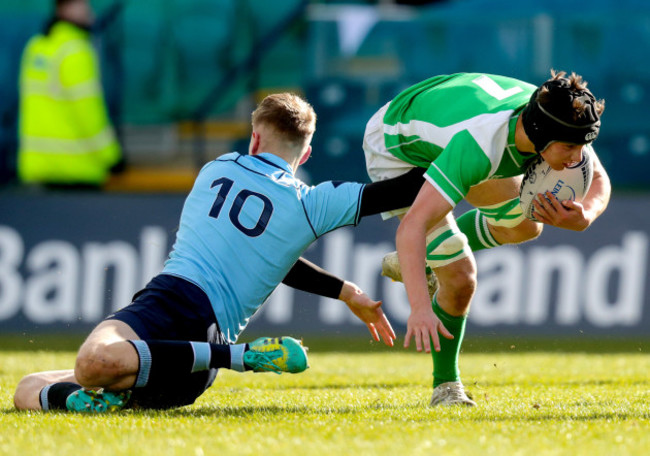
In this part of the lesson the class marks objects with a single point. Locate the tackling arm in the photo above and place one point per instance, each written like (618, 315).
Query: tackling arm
(392, 194)
(306, 276)
(377, 197)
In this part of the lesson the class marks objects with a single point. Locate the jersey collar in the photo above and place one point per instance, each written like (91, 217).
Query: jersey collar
(512, 128)
(274, 160)
(518, 157)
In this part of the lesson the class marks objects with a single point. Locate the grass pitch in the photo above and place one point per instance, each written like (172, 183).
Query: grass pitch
(373, 403)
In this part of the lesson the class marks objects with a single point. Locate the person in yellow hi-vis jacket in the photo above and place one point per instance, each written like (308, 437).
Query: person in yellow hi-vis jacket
(66, 137)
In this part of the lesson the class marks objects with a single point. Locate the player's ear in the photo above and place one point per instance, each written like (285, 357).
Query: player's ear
(254, 145)
(306, 156)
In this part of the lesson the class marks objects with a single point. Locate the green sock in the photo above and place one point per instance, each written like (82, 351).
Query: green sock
(445, 362)
(474, 225)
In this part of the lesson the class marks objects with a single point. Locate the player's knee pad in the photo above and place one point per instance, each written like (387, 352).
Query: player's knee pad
(507, 213)
(446, 245)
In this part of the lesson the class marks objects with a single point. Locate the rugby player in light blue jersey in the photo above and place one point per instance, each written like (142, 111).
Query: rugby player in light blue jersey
(242, 230)
(472, 135)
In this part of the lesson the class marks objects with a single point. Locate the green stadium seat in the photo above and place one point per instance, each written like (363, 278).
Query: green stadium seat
(146, 62)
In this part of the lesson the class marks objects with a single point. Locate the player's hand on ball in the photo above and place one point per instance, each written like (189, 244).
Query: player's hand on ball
(369, 312)
(424, 326)
(563, 214)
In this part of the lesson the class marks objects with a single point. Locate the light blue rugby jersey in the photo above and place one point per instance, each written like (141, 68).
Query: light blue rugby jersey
(245, 223)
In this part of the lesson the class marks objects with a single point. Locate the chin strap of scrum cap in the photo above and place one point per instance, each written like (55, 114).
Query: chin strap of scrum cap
(555, 120)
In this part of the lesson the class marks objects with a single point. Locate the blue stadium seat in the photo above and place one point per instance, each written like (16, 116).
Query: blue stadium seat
(336, 98)
(421, 47)
(627, 98)
(343, 106)
(147, 94)
(205, 35)
(626, 157)
(283, 61)
(336, 156)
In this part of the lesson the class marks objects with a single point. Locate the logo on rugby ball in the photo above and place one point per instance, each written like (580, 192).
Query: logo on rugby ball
(559, 186)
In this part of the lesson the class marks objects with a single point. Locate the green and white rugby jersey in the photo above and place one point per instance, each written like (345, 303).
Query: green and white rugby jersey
(460, 127)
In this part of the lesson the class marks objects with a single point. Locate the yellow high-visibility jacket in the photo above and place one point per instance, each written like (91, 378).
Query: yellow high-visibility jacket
(64, 130)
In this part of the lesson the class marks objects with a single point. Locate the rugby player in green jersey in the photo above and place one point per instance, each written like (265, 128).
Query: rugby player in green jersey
(473, 135)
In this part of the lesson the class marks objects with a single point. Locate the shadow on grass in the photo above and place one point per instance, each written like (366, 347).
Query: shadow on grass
(361, 344)
(226, 411)
(342, 386)
(548, 416)
(545, 383)
(428, 414)
(405, 412)
(271, 410)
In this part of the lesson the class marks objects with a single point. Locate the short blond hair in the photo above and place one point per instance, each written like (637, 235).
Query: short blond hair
(288, 114)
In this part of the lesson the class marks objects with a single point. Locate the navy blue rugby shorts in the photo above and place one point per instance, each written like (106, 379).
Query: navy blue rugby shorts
(171, 308)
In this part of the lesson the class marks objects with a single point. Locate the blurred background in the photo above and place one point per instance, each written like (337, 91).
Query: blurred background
(181, 77)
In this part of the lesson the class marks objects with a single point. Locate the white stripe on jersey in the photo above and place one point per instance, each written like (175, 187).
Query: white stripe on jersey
(490, 131)
(440, 190)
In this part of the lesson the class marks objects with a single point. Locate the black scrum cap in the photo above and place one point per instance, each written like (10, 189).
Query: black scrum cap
(556, 120)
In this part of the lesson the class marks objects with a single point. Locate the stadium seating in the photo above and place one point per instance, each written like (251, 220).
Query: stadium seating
(147, 65)
(626, 104)
(206, 37)
(165, 63)
(626, 158)
(18, 22)
(279, 32)
(343, 107)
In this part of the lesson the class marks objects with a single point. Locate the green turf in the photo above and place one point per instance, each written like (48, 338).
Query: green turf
(375, 403)
(363, 343)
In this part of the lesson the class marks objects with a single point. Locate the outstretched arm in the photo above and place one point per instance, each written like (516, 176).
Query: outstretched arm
(377, 197)
(392, 194)
(307, 276)
(369, 312)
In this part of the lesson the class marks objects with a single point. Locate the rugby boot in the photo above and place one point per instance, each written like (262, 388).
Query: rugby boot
(97, 401)
(276, 354)
(450, 393)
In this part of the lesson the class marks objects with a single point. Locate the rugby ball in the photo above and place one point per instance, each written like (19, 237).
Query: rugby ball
(571, 183)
